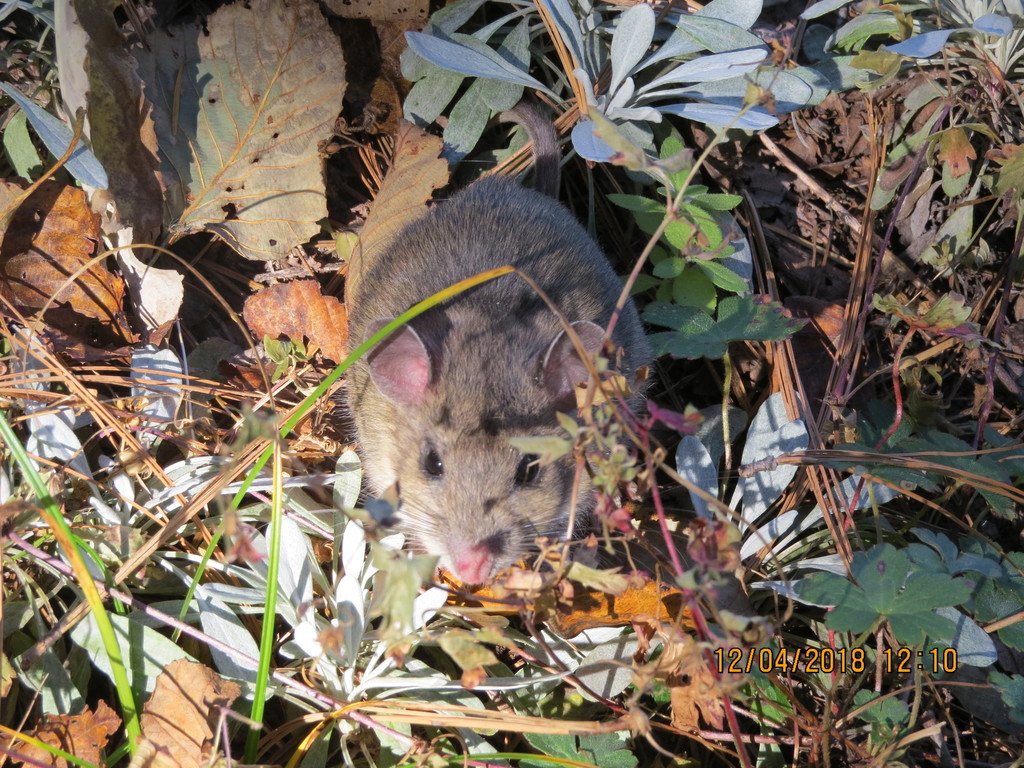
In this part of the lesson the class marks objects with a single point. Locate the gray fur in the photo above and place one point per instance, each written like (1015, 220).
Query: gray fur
(486, 350)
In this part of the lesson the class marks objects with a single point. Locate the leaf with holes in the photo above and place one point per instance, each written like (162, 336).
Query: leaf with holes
(239, 107)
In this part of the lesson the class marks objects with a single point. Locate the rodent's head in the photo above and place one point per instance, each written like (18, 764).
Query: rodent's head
(442, 434)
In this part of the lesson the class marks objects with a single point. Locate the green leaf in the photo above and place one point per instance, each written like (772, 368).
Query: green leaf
(1011, 175)
(887, 589)
(717, 202)
(608, 750)
(1011, 689)
(722, 276)
(637, 203)
(670, 268)
(20, 150)
(679, 234)
(692, 288)
(888, 713)
(707, 224)
(696, 335)
(548, 447)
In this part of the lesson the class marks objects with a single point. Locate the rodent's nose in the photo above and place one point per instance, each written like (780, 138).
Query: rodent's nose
(475, 563)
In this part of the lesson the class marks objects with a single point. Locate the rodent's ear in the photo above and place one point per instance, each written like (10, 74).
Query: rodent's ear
(563, 369)
(399, 365)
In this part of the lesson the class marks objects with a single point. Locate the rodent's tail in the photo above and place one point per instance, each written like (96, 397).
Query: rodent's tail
(546, 166)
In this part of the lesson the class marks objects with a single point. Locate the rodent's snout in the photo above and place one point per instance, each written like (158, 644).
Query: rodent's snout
(474, 563)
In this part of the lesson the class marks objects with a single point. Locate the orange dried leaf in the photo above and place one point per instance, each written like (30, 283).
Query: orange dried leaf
(694, 694)
(647, 602)
(416, 171)
(955, 151)
(43, 258)
(182, 715)
(651, 602)
(83, 736)
(298, 310)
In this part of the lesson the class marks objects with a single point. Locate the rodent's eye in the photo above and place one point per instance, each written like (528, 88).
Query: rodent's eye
(432, 464)
(528, 469)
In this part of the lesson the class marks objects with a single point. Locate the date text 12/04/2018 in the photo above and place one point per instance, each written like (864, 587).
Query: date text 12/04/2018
(900, 660)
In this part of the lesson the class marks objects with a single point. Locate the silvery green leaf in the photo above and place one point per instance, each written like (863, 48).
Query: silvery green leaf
(429, 96)
(146, 652)
(294, 577)
(993, 24)
(186, 478)
(466, 123)
(469, 57)
(828, 563)
(822, 7)
(787, 531)
(633, 35)
(500, 96)
(634, 115)
(428, 603)
(350, 616)
(711, 433)
(568, 26)
(52, 436)
(695, 465)
(621, 97)
(608, 669)
(515, 49)
(231, 594)
(714, 66)
(922, 46)
(221, 623)
(638, 131)
(838, 73)
(353, 548)
(157, 380)
(788, 589)
(860, 28)
(348, 478)
(753, 119)
(588, 145)
(973, 644)
(777, 533)
(49, 677)
(743, 13)
(791, 90)
(703, 33)
(741, 261)
(452, 16)
(45, 15)
(771, 433)
(5, 486)
(57, 137)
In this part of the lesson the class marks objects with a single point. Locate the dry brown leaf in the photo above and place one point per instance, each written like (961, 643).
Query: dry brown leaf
(181, 716)
(654, 602)
(381, 114)
(298, 310)
(98, 75)
(52, 236)
(956, 151)
(240, 104)
(383, 10)
(693, 694)
(147, 755)
(814, 345)
(83, 736)
(416, 171)
(650, 602)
